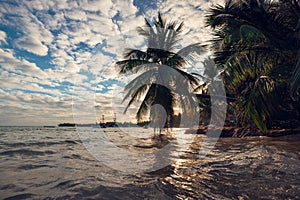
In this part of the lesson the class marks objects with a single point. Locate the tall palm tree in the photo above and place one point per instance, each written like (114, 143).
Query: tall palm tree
(162, 79)
(203, 92)
(257, 45)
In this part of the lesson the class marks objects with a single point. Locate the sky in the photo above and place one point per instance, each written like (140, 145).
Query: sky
(57, 57)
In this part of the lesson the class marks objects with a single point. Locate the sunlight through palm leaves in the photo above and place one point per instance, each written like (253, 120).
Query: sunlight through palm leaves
(159, 68)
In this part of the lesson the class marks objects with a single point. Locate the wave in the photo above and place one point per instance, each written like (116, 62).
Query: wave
(40, 144)
(30, 166)
(26, 152)
(20, 196)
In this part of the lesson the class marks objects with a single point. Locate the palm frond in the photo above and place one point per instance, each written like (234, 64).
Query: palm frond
(193, 48)
(145, 78)
(192, 80)
(135, 54)
(295, 82)
(135, 95)
(133, 65)
(175, 61)
(146, 103)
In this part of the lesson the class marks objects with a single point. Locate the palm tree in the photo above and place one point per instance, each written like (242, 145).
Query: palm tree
(256, 43)
(162, 79)
(210, 95)
(203, 91)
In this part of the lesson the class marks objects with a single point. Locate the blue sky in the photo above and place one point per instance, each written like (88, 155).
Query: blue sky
(55, 54)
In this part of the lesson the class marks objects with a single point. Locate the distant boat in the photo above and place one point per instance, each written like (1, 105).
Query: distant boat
(104, 124)
(100, 125)
(111, 124)
(66, 125)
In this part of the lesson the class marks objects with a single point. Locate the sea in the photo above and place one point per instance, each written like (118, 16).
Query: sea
(132, 163)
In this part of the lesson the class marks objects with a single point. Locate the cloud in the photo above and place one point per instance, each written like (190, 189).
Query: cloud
(34, 37)
(22, 66)
(3, 37)
(82, 39)
(33, 45)
(105, 7)
(27, 115)
(22, 108)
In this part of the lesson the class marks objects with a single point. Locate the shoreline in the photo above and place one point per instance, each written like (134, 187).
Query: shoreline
(240, 132)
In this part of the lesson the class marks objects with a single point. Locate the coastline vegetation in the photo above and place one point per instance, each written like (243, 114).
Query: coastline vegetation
(256, 54)
(257, 46)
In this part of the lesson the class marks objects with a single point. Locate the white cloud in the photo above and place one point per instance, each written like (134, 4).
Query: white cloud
(11, 81)
(35, 38)
(12, 64)
(105, 7)
(84, 39)
(22, 108)
(33, 45)
(2, 37)
(76, 15)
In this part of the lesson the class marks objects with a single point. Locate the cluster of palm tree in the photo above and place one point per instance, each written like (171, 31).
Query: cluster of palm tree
(256, 51)
(256, 45)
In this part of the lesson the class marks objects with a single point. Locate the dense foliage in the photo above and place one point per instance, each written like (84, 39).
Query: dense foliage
(256, 46)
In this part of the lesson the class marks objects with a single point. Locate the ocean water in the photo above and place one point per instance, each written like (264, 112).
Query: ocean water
(54, 163)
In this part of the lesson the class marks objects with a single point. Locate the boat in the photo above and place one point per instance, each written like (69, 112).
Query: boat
(100, 125)
(66, 125)
(104, 124)
(111, 124)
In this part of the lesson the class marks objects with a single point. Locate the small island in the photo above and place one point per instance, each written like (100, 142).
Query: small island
(66, 125)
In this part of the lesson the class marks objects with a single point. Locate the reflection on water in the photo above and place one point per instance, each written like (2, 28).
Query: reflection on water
(39, 163)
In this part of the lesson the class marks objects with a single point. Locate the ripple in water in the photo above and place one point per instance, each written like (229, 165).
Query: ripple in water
(39, 163)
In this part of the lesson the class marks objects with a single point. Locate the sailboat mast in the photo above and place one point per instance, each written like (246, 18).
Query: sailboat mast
(115, 118)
